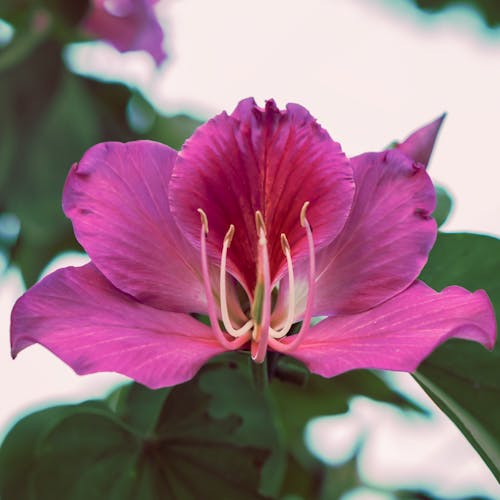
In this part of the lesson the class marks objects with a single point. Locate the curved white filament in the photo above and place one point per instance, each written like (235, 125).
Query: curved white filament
(277, 334)
(223, 292)
(295, 340)
(212, 311)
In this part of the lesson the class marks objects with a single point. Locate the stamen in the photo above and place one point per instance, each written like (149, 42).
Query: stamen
(297, 339)
(259, 222)
(303, 210)
(262, 312)
(204, 219)
(212, 312)
(223, 294)
(277, 334)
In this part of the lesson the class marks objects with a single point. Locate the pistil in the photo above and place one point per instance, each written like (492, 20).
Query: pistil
(261, 309)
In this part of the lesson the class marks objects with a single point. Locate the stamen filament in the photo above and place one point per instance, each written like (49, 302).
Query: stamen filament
(277, 334)
(212, 312)
(261, 329)
(223, 294)
(306, 321)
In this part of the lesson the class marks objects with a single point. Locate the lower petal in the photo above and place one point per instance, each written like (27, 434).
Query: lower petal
(400, 333)
(93, 327)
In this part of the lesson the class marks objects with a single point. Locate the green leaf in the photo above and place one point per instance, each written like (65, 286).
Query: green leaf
(443, 206)
(212, 437)
(173, 130)
(298, 403)
(68, 127)
(32, 27)
(462, 377)
(18, 457)
(489, 10)
(138, 406)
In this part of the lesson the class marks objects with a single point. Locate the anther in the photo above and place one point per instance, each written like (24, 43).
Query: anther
(229, 236)
(259, 222)
(204, 219)
(284, 244)
(303, 210)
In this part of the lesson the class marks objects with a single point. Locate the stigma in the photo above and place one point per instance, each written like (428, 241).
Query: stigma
(260, 329)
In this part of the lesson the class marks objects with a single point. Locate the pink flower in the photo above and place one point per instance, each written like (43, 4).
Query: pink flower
(260, 222)
(127, 25)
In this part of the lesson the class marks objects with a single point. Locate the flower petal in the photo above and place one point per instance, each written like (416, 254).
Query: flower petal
(400, 333)
(385, 242)
(419, 145)
(117, 199)
(127, 25)
(261, 159)
(93, 327)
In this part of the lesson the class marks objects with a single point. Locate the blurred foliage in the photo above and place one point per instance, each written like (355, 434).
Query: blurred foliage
(462, 377)
(49, 118)
(489, 10)
(216, 436)
(212, 437)
(444, 204)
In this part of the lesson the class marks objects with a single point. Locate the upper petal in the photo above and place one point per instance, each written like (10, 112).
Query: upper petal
(385, 242)
(419, 145)
(127, 25)
(261, 159)
(400, 333)
(93, 327)
(117, 199)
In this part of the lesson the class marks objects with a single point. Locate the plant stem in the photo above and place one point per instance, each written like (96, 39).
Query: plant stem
(259, 375)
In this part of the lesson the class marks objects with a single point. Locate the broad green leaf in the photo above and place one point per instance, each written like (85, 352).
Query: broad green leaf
(18, 457)
(443, 206)
(138, 406)
(298, 403)
(68, 127)
(228, 382)
(318, 480)
(212, 437)
(462, 377)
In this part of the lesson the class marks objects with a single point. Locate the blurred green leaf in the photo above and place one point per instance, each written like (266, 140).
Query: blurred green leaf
(68, 127)
(489, 10)
(32, 28)
(228, 382)
(173, 130)
(444, 204)
(212, 437)
(18, 454)
(462, 377)
(298, 403)
(138, 406)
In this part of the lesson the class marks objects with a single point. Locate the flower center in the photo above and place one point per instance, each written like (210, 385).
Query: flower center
(257, 329)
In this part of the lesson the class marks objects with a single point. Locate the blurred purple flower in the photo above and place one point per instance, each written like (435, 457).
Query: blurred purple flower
(127, 25)
(260, 222)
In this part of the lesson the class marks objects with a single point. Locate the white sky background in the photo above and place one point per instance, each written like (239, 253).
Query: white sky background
(370, 73)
